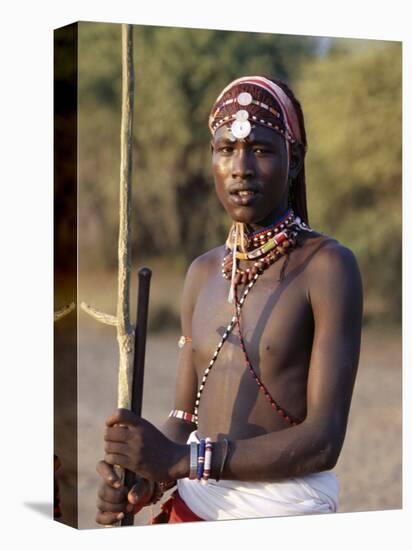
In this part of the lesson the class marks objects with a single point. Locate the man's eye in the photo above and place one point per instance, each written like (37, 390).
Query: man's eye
(225, 150)
(261, 150)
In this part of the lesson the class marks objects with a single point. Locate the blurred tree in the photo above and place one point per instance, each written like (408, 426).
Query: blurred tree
(99, 108)
(179, 73)
(352, 105)
(351, 96)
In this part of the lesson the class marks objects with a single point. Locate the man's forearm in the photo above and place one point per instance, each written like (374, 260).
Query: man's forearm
(177, 430)
(296, 451)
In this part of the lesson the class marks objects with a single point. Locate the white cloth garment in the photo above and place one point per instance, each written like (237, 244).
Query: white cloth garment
(311, 494)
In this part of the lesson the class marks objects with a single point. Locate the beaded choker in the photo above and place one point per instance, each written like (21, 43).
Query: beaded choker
(259, 238)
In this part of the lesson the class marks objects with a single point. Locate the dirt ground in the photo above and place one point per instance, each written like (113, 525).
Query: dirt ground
(369, 468)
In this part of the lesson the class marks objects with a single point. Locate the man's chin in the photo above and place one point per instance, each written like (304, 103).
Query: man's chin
(246, 215)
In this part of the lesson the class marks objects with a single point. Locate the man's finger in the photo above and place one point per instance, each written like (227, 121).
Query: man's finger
(112, 508)
(117, 448)
(108, 518)
(108, 494)
(117, 433)
(123, 416)
(106, 471)
(117, 459)
(141, 491)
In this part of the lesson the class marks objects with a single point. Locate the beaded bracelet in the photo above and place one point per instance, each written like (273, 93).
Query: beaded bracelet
(208, 460)
(193, 460)
(201, 459)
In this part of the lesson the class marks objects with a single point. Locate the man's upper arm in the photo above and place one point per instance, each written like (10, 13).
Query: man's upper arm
(335, 293)
(186, 382)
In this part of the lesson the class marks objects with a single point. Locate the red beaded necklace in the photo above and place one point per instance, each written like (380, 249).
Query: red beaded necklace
(293, 421)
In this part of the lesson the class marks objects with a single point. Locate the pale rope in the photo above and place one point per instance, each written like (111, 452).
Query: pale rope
(62, 312)
(99, 315)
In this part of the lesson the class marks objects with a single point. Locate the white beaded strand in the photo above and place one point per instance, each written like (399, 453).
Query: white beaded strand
(228, 330)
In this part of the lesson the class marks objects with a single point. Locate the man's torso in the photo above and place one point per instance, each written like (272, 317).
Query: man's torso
(277, 327)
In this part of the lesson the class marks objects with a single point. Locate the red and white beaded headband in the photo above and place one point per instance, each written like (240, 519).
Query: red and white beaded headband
(241, 120)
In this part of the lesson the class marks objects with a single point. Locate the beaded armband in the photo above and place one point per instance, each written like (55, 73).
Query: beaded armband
(183, 415)
(183, 340)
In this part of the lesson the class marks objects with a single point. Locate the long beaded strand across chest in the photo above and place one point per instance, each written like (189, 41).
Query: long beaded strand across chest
(263, 248)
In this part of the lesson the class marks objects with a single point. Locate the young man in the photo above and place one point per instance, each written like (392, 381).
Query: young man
(271, 324)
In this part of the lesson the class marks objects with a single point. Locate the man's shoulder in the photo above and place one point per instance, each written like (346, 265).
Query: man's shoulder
(208, 260)
(202, 268)
(328, 249)
(327, 256)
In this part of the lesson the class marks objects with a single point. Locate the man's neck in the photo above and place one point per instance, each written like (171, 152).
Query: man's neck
(273, 218)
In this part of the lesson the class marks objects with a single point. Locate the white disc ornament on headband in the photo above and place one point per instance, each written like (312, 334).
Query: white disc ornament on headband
(244, 98)
(241, 129)
(242, 115)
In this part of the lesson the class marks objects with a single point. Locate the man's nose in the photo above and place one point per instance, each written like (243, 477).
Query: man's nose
(242, 165)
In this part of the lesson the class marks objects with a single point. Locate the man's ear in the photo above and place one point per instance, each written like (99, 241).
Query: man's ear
(296, 159)
(211, 146)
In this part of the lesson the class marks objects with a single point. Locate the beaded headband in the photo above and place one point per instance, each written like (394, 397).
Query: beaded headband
(241, 103)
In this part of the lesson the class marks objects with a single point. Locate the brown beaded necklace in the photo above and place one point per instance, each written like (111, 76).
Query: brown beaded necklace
(273, 243)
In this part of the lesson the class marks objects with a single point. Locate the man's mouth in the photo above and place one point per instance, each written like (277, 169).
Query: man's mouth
(243, 191)
(248, 193)
(243, 197)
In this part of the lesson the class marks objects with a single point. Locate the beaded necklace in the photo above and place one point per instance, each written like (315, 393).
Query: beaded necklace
(250, 277)
(225, 336)
(259, 238)
(280, 410)
(275, 241)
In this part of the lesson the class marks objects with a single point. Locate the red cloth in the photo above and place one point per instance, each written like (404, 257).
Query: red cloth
(175, 510)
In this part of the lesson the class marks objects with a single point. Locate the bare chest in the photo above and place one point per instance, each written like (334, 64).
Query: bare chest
(277, 330)
(276, 323)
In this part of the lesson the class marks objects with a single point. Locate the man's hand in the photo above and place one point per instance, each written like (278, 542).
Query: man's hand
(113, 500)
(135, 444)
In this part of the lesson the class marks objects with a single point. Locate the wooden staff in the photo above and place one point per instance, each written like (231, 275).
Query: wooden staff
(138, 365)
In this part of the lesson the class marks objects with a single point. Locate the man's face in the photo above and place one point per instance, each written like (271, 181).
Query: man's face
(250, 175)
